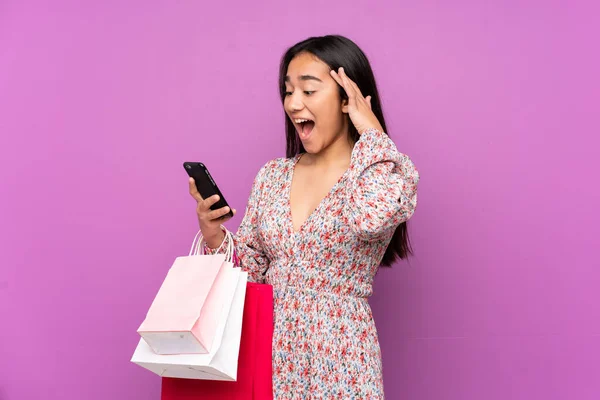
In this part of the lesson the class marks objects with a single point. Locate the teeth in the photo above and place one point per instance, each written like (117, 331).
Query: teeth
(299, 121)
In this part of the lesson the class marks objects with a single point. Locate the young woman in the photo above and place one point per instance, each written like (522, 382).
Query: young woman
(321, 221)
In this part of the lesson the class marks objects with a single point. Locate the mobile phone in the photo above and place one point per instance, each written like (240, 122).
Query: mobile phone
(206, 185)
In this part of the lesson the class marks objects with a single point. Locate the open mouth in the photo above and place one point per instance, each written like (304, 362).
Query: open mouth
(305, 127)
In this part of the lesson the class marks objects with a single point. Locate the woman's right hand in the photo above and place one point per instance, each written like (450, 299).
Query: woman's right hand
(210, 220)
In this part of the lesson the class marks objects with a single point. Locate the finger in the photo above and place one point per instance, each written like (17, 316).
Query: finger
(358, 96)
(216, 214)
(345, 80)
(355, 87)
(194, 190)
(350, 83)
(209, 202)
(336, 77)
(369, 102)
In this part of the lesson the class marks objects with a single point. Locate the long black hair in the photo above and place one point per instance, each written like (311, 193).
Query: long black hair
(337, 51)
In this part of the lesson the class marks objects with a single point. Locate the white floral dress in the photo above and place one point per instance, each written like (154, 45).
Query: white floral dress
(325, 343)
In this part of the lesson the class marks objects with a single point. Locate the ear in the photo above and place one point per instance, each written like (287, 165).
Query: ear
(345, 106)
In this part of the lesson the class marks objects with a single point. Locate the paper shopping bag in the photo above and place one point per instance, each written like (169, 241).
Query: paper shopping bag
(221, 362)
(255, 374)
(183, 316)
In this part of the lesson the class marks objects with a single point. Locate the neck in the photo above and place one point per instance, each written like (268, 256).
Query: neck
(337, 154)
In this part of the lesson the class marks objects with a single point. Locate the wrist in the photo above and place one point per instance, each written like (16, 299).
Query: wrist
(371, 129)
(214, 239)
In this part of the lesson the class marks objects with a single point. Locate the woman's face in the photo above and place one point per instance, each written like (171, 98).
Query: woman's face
(313, 103)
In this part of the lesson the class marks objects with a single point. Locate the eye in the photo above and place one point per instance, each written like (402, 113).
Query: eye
(288, 93)
(308, 92)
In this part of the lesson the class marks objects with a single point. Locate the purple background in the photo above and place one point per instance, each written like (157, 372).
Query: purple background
(496, 102)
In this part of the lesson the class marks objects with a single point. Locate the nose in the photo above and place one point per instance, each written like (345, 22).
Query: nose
(295, 102)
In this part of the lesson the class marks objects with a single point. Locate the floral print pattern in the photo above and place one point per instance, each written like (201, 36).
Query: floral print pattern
(325, 343)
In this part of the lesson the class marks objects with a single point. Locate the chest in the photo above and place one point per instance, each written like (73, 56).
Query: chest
(309, 188)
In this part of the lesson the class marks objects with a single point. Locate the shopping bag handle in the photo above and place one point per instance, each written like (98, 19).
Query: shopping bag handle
(198, 249)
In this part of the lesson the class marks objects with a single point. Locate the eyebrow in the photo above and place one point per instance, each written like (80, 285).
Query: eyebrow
(304, 78)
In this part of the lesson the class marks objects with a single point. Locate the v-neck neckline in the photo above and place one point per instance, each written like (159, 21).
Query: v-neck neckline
(290, 216)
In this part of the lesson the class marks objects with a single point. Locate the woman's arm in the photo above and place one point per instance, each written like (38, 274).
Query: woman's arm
(382, 187)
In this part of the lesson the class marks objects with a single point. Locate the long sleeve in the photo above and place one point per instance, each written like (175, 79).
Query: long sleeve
(248, 248)
(382, 186)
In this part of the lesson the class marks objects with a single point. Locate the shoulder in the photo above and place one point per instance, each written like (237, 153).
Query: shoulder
(275, 169)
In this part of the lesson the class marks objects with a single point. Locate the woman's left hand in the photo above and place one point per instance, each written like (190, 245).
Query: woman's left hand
(359, 107)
